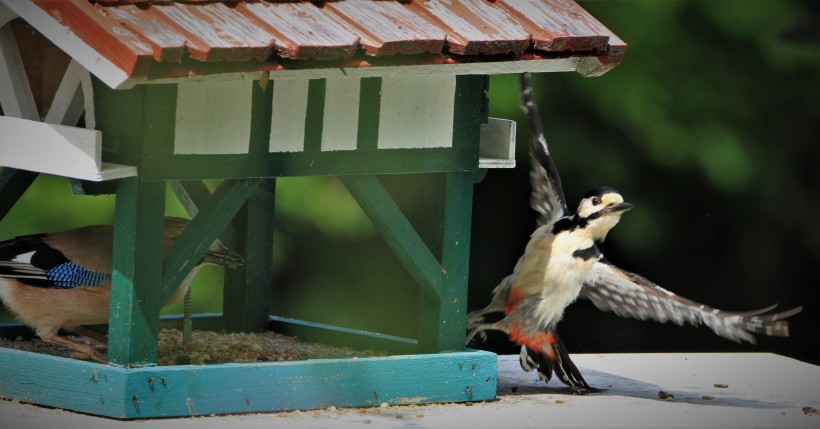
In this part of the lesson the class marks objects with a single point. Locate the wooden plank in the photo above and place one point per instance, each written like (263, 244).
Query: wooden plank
(314, 115)
(387, 28)
(193, 167)
(302, 33)
(16, 98)
(375, 68)
(137, 261)
(248, 290)
(441, 319)
(96, 42)
(213, 118)
(476, 27)
(290, 99)
(558, 25)
(341, 114)
(404, 124)
(398, 233)
(68, 104)
(203, 230)
(6, 15)
(72, 152)
(13, 184)
(370, 98)
(218, 33)
(167, 43)
(341, 336)
(497, 144)
(186, 390)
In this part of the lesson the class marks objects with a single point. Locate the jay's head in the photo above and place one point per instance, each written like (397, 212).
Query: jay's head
(217, 253)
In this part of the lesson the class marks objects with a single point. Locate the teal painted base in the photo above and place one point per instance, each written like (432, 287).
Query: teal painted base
(186, 390)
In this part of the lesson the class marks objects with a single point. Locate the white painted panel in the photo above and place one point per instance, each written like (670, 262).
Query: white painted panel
(341, 117)
(417, 112)
(48, 148)
(213, 118)
(287, 131)
(497, 144)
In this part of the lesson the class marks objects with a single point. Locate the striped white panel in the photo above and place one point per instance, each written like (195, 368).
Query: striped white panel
(341, 117)
(213, 117)
(417, 111)
(287, 128)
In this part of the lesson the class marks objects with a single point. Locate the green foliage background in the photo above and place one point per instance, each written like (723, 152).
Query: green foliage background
(709, 126)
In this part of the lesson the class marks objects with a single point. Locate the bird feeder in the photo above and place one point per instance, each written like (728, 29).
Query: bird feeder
(246, 92)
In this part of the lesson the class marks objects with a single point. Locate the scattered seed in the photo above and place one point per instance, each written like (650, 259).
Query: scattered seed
(665, 395)
(721, 385)
(707, 397)
(559, 401)
(811, 411)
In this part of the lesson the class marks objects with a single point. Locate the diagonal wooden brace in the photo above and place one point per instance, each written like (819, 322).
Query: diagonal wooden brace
(203, 230)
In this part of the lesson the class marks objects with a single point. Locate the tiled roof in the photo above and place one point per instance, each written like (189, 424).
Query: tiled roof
(140, 36)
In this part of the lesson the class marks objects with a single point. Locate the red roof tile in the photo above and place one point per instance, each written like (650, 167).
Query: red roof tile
(143, 37)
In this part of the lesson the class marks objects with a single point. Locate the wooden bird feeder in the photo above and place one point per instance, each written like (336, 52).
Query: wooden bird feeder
(248, 91)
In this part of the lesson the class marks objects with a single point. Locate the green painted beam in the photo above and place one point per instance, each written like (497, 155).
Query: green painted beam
(137, 262)
(13, 184)
(248, 289)
(398, 232)
(203, 230)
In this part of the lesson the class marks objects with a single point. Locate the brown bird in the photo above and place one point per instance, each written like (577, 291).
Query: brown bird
(63, 279)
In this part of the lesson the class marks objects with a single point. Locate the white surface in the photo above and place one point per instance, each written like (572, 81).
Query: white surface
(213, 117)
(287, 128)
(764, 391)
(417, 111)
(50, 148)
(497, 145)
(340, 126)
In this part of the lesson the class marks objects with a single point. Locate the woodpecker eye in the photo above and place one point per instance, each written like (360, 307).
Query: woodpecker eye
(596, 201)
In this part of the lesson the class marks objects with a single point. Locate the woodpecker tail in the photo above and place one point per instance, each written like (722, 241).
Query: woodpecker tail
(555, 360)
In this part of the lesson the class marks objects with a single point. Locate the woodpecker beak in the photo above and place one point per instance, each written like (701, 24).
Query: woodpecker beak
(618, 207)
(225, 257)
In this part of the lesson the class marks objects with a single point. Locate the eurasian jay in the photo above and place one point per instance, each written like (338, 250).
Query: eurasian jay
(63, 279)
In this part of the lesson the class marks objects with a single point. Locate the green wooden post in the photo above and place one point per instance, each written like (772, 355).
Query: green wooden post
(442, 322)
(248, 289)
(13, 183)
(137, 263)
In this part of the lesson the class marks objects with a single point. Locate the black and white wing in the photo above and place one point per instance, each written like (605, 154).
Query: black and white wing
(30, 260)
(630, 295)
(547, 196)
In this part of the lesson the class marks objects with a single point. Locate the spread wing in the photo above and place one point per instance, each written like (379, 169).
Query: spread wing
(630, 295)
(547, 196)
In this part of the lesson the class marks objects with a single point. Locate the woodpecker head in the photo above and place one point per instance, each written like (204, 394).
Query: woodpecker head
(601, 208)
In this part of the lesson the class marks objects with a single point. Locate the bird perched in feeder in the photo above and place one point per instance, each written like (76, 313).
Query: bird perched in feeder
(563, 261)
(63, 279)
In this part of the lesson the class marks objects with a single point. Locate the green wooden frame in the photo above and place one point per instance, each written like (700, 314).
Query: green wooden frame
(434, 248)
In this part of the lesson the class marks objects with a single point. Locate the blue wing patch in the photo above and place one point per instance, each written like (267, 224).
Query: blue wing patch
(71, 275)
